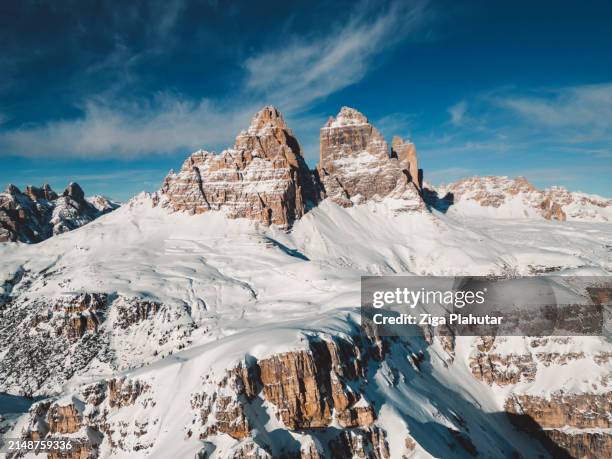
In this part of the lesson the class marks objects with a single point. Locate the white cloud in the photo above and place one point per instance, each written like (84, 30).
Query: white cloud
(457, 112)
(574, 107)
(292, 77)
(130, 129)
(562, 122)
(306, 69)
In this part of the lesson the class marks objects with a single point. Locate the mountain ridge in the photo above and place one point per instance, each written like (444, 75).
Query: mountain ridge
(40, 213)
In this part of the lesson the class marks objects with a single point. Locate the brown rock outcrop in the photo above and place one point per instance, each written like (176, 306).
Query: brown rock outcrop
(503, 369)
(64, 419)
(134, 311)
(405, 152)
(569, 421)
(307, 387)
(356, 164)
(263, 177)
(576, 410)
(364, 443)
(124, 392)
(222, 410)
(583, 445)
(77, 315)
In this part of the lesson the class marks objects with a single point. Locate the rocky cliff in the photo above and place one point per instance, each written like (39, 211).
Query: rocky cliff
(356, 164)
(39, 213)
(263, 177)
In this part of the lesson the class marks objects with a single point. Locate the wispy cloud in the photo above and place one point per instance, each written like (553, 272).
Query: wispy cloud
(588, 106)
(129, 129)
(302, 70)
(307, 69)
(564, 120)
(457, 112)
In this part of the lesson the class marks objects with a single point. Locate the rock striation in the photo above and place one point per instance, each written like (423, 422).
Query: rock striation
(263, 177)
(39, 213)
(356, 164)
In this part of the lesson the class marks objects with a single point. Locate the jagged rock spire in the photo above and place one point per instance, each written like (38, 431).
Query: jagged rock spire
(74, 191)
(405, 152)
(12, 189)
(44, 192)
(263, 177)
(356, 165)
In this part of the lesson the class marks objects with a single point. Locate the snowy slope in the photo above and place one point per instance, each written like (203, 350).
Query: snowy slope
(228, 291)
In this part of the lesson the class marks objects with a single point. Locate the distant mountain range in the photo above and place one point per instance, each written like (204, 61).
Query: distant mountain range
(39, 213)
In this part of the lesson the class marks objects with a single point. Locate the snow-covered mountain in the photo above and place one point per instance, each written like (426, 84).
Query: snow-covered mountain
(39, 213)
(503, 197)
(200, 330)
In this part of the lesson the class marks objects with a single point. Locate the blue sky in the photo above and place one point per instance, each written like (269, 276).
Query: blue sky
(114, 96)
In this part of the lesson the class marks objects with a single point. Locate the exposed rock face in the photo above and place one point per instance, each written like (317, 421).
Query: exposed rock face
(580, 206)
(576, 410)
(497, 192)
(308, 387)
(405, 152)
(367, 443)
(356, 164)
(63, 419)
(584, 445)
(567, 424)
(309, 390)
(122, 392)
(40, 213)
(263, 177)
(569, 421)
(503, 369)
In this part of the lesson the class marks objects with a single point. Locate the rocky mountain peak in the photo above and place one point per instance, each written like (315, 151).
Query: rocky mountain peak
(267, 118)
(263, 177)
(45, 192)
(347, 117)
(75, 191)
(513, 197)
(356, 164)
(12, 189)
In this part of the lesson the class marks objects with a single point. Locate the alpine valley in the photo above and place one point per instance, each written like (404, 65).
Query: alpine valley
(219, 317)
